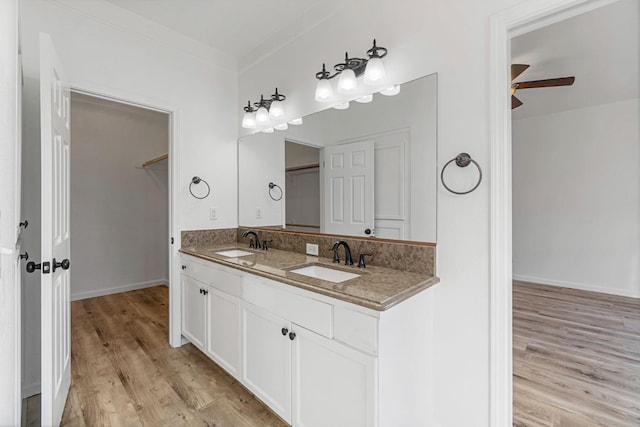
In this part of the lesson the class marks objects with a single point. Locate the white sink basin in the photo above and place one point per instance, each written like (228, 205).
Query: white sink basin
(324, 273)
(234, 253)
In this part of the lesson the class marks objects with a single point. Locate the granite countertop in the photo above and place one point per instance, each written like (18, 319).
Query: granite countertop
(377, 288)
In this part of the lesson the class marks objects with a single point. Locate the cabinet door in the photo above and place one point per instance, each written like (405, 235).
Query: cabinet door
(193, 311)
(333, 385)
(266, 358)
(223, 330)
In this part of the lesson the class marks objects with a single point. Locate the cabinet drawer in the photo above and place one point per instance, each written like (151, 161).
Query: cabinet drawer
(221, 278)
(306, 312)
(356, 329)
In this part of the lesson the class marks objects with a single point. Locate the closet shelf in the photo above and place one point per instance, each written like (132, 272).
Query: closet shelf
(155, 160)
(301, 168)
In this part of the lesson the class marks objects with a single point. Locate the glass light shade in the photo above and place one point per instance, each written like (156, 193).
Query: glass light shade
(267, 130)
(391, 91)
(249, 120)
(282, 126)
(262, 116)
(324, 91)
(365, 99)
(374, 73)
(276, 110)
(296, 122)
(347, 83)
(342, 106)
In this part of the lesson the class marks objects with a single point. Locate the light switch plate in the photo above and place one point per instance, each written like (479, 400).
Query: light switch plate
(258, 213)
(213, 215)
(312, 249)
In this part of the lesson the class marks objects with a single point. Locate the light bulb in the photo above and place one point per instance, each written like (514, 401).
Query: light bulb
(249, 120)
(391, 91)
(342, 106)
(365, 99)
(262, 116)
(324, 91)
(268, 130)
(296, 122)
(374, 73)
(347, 83)
(282, 126)
(276, 110)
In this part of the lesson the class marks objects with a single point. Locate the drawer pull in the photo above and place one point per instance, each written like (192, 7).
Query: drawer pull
(292, 336)
(284, 331)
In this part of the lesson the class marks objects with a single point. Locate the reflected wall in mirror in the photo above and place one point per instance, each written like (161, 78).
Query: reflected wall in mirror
(369, 169)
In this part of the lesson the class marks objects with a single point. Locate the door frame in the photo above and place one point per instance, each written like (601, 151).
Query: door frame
(520, 19)
(137, 100)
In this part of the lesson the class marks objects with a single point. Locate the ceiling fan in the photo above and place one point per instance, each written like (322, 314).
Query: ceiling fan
(517, 69)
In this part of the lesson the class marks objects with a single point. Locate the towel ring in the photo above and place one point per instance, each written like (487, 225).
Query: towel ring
(198, 180)
(462, 160)
(271, 185)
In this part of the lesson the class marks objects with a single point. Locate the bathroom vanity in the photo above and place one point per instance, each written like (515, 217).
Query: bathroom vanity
(319, 351)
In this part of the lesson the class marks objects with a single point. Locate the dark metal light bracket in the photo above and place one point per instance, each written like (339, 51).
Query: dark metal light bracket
(358, 65)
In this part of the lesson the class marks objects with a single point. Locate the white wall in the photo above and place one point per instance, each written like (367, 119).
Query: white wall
(262, 162)
(109, 51)
(450, 38)
(576, 198)
(119, 212)
(9, 214)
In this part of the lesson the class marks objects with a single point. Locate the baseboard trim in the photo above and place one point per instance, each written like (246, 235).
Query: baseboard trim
(579, 286)
(30, 390)
(118, 289)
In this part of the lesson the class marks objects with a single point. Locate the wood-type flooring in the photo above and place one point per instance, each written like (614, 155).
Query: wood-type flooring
(576, 358)
(124, 373)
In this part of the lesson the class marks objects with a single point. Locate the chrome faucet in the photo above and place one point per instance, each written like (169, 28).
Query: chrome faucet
(347, 252)
(255, 242)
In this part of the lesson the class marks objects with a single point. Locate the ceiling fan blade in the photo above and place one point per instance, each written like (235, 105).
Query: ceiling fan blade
(515, 102)
(561, 81)
(517, 69)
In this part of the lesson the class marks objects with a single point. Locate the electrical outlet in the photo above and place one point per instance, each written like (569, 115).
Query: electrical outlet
(213, 215)
(258, 213)
(312, 249)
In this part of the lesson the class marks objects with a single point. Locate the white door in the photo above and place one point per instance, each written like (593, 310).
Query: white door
(333, 385)
(266, 358)
(349, 189)
(55, 296)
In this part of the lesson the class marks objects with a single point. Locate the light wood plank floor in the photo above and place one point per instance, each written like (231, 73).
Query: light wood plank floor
(576, 357)
(124, 373)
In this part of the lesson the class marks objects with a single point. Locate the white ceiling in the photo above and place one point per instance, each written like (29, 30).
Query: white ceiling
(245, 29)
(600, 48)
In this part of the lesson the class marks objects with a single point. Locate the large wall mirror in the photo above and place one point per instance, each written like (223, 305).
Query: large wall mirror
(369, 170)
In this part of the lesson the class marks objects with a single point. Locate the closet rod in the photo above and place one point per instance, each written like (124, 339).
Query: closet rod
(155, 160)
(301, 168)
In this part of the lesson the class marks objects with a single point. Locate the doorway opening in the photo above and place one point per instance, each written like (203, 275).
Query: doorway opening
(302, 182)
(120, 208)
(505, 26)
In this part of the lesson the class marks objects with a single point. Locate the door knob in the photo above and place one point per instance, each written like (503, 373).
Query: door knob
(64, 264)
(25, 256)
(32, 266)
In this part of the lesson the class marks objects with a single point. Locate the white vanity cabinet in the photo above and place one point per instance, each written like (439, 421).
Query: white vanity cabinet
(210, 316)
(316, 361)
(193, 311)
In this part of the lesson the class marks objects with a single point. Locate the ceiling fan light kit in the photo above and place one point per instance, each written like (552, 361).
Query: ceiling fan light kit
(517, 69)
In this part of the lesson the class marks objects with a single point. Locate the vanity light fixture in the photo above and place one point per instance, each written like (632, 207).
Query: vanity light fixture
(349, 71)
(365, 99)
(267, 130)
(391, 91)
(296, 122)
(341, 106)
(282, 126)
(264, 111)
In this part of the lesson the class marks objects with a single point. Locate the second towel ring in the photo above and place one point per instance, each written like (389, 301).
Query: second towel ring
(197, 180)
(271, 186)
(462, 160)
